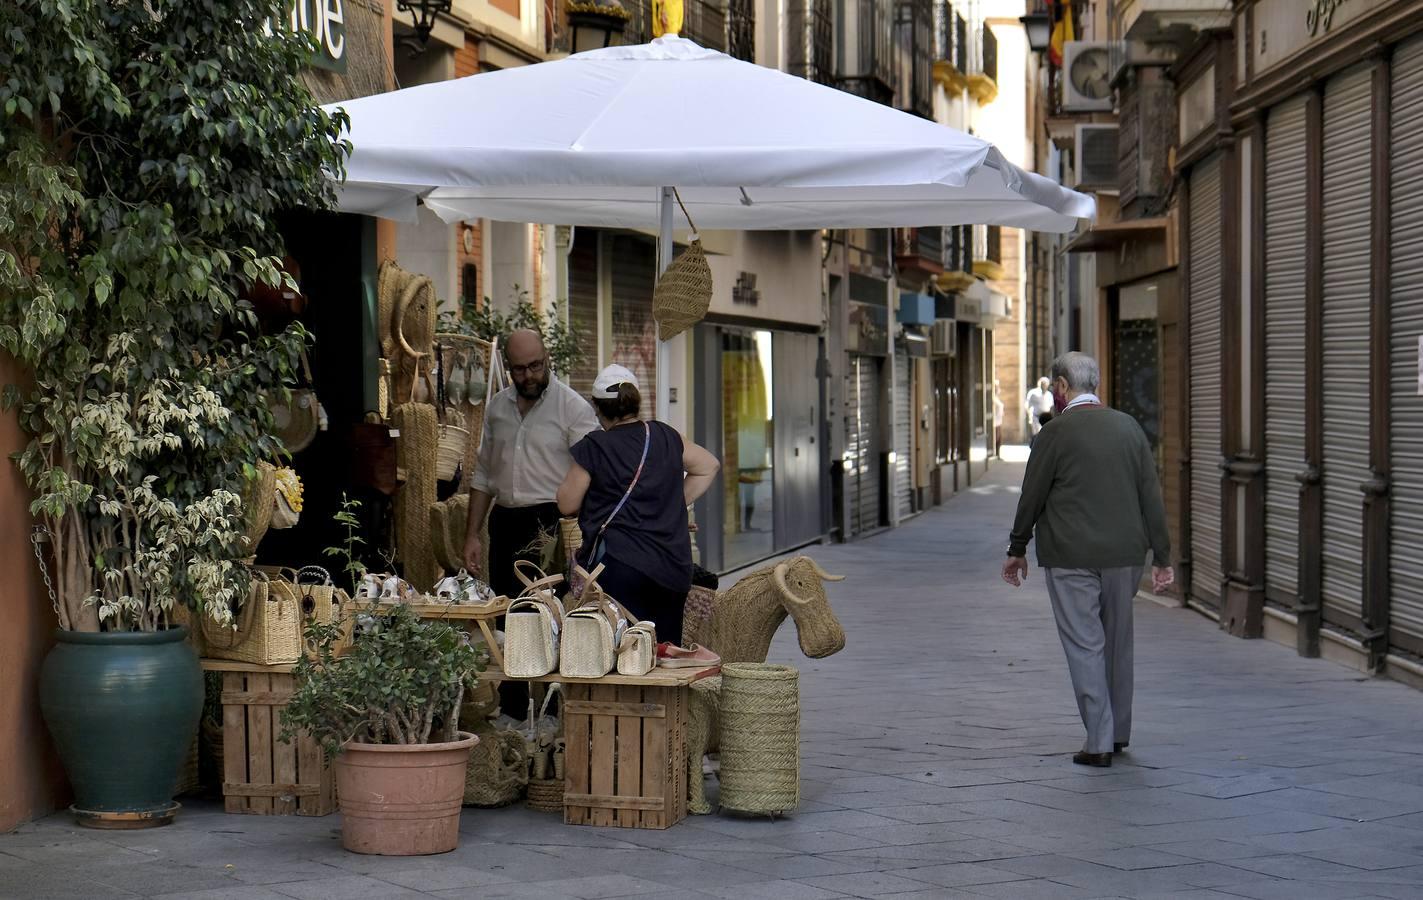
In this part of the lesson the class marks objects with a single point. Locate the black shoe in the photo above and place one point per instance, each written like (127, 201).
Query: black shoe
(1118, 748)
(1100, 760)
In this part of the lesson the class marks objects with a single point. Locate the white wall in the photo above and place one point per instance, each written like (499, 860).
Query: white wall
(428, 248)
(788, 275)
(510, 253)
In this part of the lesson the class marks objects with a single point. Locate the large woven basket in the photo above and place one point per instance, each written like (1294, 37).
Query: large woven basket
(449, 452)
(760, 738)
(498, 769)
(683, 293)
(269, 627)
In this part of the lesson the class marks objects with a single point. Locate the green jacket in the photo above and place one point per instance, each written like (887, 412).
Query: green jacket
(1092, 494)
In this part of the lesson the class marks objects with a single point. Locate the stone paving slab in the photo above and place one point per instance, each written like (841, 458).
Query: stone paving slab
(936, 763)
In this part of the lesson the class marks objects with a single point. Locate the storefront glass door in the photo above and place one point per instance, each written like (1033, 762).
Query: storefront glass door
(748, 446)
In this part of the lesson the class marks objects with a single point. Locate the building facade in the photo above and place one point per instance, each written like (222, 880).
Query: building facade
(1254, 288)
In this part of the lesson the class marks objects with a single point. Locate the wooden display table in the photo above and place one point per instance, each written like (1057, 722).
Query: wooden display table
(260, 774)
(470, 614)
(625, 760)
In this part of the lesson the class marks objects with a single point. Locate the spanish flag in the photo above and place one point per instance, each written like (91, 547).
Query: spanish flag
(1062, 32)
(666, 17)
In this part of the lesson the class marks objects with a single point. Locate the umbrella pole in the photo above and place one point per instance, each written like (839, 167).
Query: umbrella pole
(664, 259)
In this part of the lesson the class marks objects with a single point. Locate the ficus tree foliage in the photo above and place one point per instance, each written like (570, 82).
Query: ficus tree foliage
(145, 149)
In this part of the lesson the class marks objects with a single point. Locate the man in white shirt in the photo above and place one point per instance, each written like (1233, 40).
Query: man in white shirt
(1039, 401)
(523, 458)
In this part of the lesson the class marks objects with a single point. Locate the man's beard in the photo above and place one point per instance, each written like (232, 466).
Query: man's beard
(533, 390)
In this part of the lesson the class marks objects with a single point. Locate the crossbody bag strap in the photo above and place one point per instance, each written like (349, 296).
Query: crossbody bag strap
(636, 476)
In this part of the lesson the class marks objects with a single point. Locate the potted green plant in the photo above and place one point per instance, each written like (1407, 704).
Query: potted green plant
(141, 169)
(387, 711)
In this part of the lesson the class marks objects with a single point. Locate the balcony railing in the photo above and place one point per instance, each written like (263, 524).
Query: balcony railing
(920, 248)
(870, 74)
(914, 57)
(741, 29)
(703, 21)
(950, 36)
(810, 40)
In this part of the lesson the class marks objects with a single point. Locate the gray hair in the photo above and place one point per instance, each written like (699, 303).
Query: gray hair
(1079, 370)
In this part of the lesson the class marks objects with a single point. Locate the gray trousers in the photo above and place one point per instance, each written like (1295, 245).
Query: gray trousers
(1093, 611)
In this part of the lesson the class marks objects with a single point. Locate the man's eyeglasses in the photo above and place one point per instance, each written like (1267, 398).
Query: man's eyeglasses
(534, 368)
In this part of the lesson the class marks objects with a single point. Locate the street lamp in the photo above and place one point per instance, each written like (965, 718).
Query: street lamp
(423, 21)
(1038, 26)
(594, 24)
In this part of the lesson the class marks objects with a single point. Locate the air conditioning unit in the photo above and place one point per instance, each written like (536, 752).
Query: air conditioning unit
(1096, 157)
(944, 338)
(1087, 76)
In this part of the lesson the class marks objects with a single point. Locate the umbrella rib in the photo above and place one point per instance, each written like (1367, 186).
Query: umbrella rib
(577, 145)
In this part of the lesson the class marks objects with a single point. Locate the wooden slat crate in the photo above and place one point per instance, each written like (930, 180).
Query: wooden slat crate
(262, 775)
(625, 761)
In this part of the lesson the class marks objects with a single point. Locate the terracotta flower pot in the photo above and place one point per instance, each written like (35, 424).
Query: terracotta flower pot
(402, 800)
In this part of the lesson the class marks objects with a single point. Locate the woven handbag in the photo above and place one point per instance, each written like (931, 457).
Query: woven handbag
(591, 631)
(532, 625)
(267, 629)
(321, 601)
(637, 653)
(683, 293)
(298, 419)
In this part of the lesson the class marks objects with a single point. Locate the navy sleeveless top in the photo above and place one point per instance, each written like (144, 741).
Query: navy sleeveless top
(650, 532)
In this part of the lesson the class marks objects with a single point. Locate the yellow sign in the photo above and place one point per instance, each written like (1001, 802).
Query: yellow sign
(666, 17)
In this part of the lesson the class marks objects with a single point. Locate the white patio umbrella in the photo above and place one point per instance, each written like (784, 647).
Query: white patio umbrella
(601, 138)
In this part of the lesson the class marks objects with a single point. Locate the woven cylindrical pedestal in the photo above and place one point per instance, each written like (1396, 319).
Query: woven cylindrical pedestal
(545, 795)
(760, 738)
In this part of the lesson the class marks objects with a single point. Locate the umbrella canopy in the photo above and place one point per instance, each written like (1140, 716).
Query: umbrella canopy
(592, 139)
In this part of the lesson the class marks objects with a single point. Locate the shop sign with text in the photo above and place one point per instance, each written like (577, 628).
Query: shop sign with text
(325, 22)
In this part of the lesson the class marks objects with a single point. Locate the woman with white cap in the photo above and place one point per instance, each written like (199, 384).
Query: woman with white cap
(630, 486)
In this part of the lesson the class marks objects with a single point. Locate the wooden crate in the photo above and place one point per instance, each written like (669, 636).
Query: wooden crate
(262, 775)
(626, 759)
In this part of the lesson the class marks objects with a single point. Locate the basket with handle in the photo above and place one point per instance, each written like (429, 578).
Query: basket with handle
(637, 652)
(532, 625)
(591, 631)
(267, 629)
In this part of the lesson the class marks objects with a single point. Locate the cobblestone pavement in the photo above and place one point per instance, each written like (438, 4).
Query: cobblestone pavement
(936, 763)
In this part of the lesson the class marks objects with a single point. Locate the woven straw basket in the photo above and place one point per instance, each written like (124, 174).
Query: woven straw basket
(683, 293)
(268, 631)
(498, 769)
(760, 738)
(449, 452)
(545, 795)
(257, 503)
(532, 625)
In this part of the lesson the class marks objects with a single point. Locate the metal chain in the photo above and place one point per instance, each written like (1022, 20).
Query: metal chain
(40, 534)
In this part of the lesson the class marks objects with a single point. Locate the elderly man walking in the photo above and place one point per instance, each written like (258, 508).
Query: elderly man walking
(1092, 496)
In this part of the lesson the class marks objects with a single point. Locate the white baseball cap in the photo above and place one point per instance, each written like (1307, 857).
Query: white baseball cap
(605, 386)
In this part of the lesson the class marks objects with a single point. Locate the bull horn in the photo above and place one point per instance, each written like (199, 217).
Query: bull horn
(824, 575)
(779, 576)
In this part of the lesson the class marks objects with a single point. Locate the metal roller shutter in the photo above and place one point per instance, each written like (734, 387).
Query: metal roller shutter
(1347, 146)
(903, 477)
(1406, 217)
(1205, 285)
(583, 308)
(634, 332)
(862, 425)
(1285, 250)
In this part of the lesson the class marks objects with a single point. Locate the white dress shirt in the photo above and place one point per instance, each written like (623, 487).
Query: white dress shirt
(524, 458)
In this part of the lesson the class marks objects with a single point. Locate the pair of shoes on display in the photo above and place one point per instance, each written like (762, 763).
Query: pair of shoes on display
(464, 588)
(390, 588)
(670, 656)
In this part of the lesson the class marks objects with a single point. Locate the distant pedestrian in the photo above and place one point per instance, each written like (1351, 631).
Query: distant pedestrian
(1038, 401)
(1092, 499)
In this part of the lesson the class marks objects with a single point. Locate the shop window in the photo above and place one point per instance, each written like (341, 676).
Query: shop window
(748, 446)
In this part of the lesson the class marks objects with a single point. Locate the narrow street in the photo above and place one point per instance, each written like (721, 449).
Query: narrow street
(936, 763)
